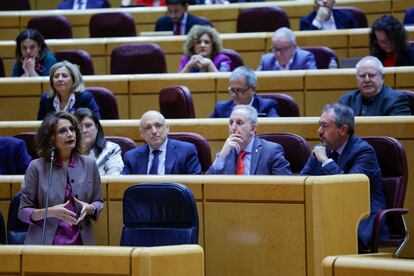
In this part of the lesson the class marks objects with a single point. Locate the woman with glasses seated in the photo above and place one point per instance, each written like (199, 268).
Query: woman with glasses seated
(285, 54)
(75, 195)
(242, 91)
(202, 52)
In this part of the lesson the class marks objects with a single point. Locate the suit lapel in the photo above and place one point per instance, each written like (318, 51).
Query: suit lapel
(170, 156)
(142, 160)
(232, 163)
(358, 106)
(256, 151)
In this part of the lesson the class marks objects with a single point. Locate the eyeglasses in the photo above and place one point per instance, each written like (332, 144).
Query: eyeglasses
(364, 76)
(281, 49)
(237, 91)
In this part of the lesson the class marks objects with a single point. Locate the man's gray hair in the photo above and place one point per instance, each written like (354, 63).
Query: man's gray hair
(284, 33)
(344, 115)
(370, 59)
(251, 112)
(247, 73)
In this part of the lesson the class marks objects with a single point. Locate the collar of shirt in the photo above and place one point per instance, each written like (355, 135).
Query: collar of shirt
(329, 24)
(161, 158)
(69, 105)
(82, 6)
(287, 67)
(341, 148)
(72, 162)
(248, 157)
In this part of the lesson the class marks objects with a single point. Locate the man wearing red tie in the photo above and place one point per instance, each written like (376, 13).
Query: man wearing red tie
(178, 19)
(245, 154)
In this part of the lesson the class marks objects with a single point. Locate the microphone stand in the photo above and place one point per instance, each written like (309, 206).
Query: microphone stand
(49, 183)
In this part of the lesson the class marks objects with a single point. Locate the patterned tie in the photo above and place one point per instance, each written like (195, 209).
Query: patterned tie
(335, 156)
(177, 27)
(154, 166)
(240, 163)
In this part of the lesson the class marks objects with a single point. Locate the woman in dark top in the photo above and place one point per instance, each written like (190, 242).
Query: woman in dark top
(388, 42)
(33, 57)
(67, 92)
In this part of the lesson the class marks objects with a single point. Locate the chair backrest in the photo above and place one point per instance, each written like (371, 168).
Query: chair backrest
(2, 73)
(236, 59)
(14, 5)
(125, 143)
(16, 229)
(357, 14)
(322, 55)
(286, 104)
(139, 58)
(410, 96)
(2, 230)
(79, 57)
(176, 102)
(201, 144)
(261, 19)
(53, 26)
(106, 101)
(157, 214)
(409, 16)
(296, 148)
(112, 24)
(29, 139)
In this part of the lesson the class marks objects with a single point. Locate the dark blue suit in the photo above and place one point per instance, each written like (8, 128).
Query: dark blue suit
(342, 21)
(84, 99)
(388, 102)
(91, 4)
(264, 107)
(165, 23)
(14, 158)
(357, 157)
(267, 159)
(181, 158)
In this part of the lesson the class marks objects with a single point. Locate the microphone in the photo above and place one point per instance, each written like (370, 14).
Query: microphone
(52, 153)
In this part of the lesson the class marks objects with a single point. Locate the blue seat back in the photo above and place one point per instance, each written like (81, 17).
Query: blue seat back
(16, 229)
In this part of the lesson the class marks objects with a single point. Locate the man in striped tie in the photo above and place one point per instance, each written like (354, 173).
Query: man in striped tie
(245, 154)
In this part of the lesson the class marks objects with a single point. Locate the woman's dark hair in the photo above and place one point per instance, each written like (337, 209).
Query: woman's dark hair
(100, 141)
(395, 33)
(34, 35)
(45, 136)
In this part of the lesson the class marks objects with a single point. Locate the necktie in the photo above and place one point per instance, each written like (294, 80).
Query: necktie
(154, 166)
(335, 156)
(177, 27)
(240, 163)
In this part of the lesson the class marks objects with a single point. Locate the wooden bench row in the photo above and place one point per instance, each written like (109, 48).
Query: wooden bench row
(256, 225)
(135, 94)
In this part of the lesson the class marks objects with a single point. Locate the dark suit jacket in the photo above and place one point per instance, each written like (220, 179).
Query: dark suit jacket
(84, 99)
(264, 107)
(342, 21)
(181, 158)
(357, 157)
(14, 158)
(165, 23)
(91, 4)
(388, 102)
(267, 159)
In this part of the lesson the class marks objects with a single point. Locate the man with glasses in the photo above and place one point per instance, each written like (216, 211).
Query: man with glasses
(373, 98)
(242, 91)
(160, 155)
(285, 54)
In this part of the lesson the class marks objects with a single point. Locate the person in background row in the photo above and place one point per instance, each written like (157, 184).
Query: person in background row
(373, 98)
(340, 152)
(242, 91)
(325, 17)
(145, 3)
(160, 155)
(202, 52)
(178, 19)
(285, 54)
(388, 42)
(75, 193)
(67, 92)
(107, 154)
(83, 4)
(14, 158)
(245, 154)
(33, 57)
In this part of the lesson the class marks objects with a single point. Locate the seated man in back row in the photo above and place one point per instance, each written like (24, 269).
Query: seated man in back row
(242, 90)
(285, 54)
(340, 152)
(373, 98)
(160, 155)
(245, 154)
(14, 158)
